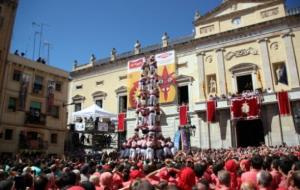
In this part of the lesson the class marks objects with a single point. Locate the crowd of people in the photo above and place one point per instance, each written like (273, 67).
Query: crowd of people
(251, 168)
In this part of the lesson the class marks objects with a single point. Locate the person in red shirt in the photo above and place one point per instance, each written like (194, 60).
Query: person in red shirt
(256, 165)
(285, 165)
(276, 176)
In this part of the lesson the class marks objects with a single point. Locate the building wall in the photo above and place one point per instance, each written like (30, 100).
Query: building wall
(15, 120)
(8, 10)
(255, 48)
(249, 13)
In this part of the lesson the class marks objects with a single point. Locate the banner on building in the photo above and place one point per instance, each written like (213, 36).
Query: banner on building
(245, 107)
(185, 139)
(102, 126)
(24, 83)
(177, 140)
(166, 76)
(211, 110)
(121, 122)
(50, 95)
(283, 103)
(183, 115)
(79, 126)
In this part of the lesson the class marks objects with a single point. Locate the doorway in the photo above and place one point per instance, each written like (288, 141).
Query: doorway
(249, 133)
(244, 83)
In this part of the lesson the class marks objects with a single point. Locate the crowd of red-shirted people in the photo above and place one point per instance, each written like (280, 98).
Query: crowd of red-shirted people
(251, 168)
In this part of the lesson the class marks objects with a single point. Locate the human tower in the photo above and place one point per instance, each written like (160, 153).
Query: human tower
(148, 143)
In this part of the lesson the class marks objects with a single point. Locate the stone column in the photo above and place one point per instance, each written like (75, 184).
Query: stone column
(201, 75)
(291, 60)
(266, 65)
(221, 71)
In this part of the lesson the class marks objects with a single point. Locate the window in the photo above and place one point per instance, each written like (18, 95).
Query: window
(183, 95)
(58, 86)
(35, 109)
(32, 135)
(17, 75)
(98, 83)
(236, 21)
(8, 134)
(79, 86)
(37, 85)
(77, 107)
(12, 104)
(55, 111)
(99, 103)
(122, 104)
(54, 138)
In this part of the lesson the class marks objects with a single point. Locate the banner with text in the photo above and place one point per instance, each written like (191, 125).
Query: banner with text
(166, 76)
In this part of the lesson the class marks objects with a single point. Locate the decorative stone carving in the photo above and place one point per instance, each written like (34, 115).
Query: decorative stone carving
(270, 12)
(209, 59)
(274, 46)
(241, 53)
(207, 29)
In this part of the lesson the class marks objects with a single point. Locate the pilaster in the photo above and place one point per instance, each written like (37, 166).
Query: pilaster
(266, 65)
(221, 71)
(201, 74)
(291, 60)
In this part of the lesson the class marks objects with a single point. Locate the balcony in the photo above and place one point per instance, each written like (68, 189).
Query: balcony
(35, 117)
(37, 89)
(30, 144)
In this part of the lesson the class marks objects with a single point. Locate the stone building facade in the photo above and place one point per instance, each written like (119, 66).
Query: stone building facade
(34, 116)
(8, 10)
(240, 45)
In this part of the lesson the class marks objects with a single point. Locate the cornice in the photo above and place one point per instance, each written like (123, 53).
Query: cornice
(205, 20)
(251, 30)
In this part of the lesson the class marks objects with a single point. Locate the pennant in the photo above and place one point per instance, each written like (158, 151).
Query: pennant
(183, 116)
(283, 103)
(121, 122)
(50, 96)
(210, 110)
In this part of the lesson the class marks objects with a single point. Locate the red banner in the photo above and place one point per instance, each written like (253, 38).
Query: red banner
(183, 115)
(245, 107)
(283, 103)
(210, 110)
(121, 122)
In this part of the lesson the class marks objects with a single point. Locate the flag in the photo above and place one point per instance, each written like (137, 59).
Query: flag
(245, 107)
(210, 110)
(235, 108)
(50, 96)
(283, 103)
(183, 119)
(121, 122)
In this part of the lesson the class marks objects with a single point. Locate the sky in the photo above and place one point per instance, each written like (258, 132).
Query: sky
(75, 29)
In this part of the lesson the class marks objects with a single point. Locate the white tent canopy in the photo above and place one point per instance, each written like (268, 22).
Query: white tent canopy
(94, 111)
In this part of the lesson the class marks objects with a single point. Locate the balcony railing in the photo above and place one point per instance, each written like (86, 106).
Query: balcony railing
(293, 11)
(35, 117)
(32, 144)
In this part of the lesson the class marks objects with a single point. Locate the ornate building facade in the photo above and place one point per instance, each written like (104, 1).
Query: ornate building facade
(8, 10)
(241, 45)
(34, 116)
